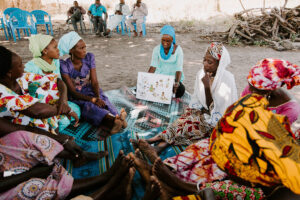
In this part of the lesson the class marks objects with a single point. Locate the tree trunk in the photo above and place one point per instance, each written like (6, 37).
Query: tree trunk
(218, 6)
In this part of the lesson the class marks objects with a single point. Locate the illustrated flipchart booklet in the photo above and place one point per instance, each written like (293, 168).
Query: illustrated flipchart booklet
(155, 87)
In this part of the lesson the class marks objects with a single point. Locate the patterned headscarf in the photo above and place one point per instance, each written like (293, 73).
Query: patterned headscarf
(271, 74)
(215, 49)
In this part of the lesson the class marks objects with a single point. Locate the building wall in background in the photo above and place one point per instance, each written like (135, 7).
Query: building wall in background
(159, 10)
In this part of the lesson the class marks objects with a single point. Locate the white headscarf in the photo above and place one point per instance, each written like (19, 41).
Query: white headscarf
(223, 89)
(67, 42)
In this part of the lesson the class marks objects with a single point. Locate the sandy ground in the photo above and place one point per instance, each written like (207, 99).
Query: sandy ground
(120, 58)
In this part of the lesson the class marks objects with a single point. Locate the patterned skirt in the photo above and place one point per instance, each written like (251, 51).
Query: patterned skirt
(228, 190)
(195, 164)
(188, 129)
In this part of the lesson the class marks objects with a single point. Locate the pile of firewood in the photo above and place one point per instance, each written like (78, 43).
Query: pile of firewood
(279, 28)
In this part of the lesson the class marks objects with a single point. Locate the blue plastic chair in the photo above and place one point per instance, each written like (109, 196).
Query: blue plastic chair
(40, 16)
(122, 25)
(3, 27)
(6, 15)
(20, 20)
(143, 28)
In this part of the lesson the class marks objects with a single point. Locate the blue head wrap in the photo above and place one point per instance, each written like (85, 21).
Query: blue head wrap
(67, 42)
(167, 30)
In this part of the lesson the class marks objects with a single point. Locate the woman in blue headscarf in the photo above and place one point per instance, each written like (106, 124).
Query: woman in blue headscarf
(167, 59)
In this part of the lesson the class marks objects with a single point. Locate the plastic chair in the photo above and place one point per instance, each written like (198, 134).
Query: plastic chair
(143, 27)
(40, 19)
(6, 15)
(19, 20)
(3, 27)
(122, 24)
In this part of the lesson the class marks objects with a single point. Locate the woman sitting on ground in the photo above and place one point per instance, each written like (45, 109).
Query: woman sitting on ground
(27, 98)
(250, 145)
(167, 59)
(268, 77)
(79, 73)
(45, 62)
(43, 177)
(214, 91)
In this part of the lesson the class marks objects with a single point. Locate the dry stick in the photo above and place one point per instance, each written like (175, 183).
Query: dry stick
(243, 35)
(286, 1)
(243, 7)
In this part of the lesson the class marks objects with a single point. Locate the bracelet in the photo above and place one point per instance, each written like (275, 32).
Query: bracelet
(65, 142)
(176, 83)
(93, 100)
(70, 111)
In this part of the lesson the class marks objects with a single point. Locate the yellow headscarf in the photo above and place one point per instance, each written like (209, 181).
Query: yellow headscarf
(37, 43)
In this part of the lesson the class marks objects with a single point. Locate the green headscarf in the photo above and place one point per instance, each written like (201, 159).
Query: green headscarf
(37, 43)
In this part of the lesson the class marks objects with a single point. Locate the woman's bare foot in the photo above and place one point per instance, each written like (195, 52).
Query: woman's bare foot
(114, 182)
(123, 116)
(148, 150)
(134, 143)
(114, 168)
(153, 189)
(161, 171)
(139, 154)
(143, 168)
(128, 183)
(117, 125)
(124, 188)
(87, 157)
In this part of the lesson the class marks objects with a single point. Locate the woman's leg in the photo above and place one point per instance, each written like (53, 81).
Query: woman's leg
(161, 146)
(112, 123)
(113, 175)
(116, 189)
(84, 158)
(113, 110)
(162, 172)
(154, 139)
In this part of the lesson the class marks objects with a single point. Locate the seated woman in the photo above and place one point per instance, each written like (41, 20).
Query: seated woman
(45, 61)
(214, 91)
(41, 176)
(268, 77)
(79, 73)
(18, 105)
(167, 59)
(250, 145)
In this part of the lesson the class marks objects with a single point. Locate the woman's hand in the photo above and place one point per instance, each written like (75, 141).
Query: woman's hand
(208, 79)
(175, 87)
(100, 103)
(73, 114)
(72, 148)
(62, 107)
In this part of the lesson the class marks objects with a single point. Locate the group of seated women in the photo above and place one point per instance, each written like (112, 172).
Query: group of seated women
(238, 148)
